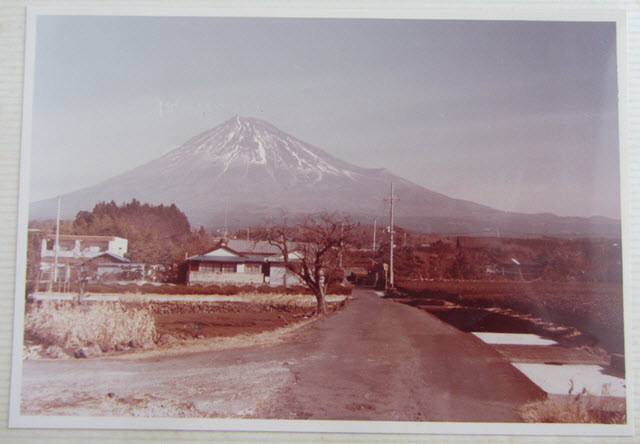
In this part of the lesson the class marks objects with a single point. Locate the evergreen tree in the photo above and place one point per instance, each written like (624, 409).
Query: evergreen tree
(156, 234)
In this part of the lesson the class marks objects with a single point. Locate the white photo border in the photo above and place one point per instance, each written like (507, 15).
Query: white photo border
(16, 420)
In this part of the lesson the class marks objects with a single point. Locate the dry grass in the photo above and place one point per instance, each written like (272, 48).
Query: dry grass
(133, 298)
(105, 324)
(298, 300)
(576, 410)
(290, 300)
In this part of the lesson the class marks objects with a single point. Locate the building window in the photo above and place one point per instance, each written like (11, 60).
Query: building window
(228, 268)
(253, 268)
(218, 268)
(207, 267)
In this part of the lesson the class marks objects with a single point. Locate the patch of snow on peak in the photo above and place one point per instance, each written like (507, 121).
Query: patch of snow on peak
(262, 159)
(229, 136)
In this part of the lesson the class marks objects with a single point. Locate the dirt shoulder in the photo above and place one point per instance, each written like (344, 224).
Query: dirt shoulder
(228, 375)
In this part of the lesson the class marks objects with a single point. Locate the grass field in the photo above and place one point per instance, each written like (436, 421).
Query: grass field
(66, 325)
(593, 308)
(57, 329)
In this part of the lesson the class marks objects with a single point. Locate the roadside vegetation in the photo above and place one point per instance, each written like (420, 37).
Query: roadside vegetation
(62, 327)
(65, 330)
(576, 410)
(181, 289)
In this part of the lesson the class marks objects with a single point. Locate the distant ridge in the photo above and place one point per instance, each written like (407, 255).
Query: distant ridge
(252, 170)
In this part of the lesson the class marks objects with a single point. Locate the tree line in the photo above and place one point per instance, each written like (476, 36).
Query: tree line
(161, 234)
(156, 234)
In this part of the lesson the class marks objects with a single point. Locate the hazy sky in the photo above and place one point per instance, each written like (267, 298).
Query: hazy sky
(516, 115)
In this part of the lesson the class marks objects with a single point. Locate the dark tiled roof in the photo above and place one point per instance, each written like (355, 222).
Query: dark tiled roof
(252, 247)
(227, 259)
(62, 260)
(106, 253)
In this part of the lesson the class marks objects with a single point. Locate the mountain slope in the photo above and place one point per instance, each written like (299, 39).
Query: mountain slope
(249, 169)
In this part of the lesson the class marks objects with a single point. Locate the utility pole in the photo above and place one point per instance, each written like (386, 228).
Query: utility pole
(54, 275)
(341, 246)
(373, 248)
(226, 213)
(391, 198)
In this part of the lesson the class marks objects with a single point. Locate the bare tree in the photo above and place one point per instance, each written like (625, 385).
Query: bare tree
(83, 278)
(311, 250)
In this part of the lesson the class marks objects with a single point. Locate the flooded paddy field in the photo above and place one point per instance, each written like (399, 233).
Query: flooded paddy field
(560, 358)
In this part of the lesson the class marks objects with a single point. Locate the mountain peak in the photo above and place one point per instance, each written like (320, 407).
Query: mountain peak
(254, 169)
(241, 143)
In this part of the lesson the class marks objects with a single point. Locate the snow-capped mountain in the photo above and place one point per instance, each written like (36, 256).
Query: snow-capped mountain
(248, 169)
(246, 142)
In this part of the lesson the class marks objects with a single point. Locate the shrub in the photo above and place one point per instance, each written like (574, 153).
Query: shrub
(568, 412)
(106, 324)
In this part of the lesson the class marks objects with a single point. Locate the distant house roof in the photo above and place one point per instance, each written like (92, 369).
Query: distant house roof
(239, 251)
(226, 254)
(223, 251)
(227, 259)
(252, 247)
(293, 256)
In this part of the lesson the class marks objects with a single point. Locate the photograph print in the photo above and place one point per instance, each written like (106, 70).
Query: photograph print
(324, 222)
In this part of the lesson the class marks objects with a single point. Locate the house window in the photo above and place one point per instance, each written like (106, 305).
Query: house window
(253, 268)
(207, 267)
(228, 268)
(218, 268)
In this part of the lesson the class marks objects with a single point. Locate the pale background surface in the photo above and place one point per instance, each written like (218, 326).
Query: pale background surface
(11, 75)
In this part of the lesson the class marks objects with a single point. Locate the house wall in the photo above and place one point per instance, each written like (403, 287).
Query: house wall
(221, 252)
(118, 272)
(280, 276)
(118, 246)
(211, 277)
(47, 272)
(84, 248)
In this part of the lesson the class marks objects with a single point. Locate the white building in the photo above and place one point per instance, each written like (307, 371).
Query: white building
(75, 249)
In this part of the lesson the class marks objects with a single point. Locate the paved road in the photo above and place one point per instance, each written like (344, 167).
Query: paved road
(375, 359)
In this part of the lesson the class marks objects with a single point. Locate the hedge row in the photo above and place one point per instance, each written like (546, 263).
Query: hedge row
(226, 290)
